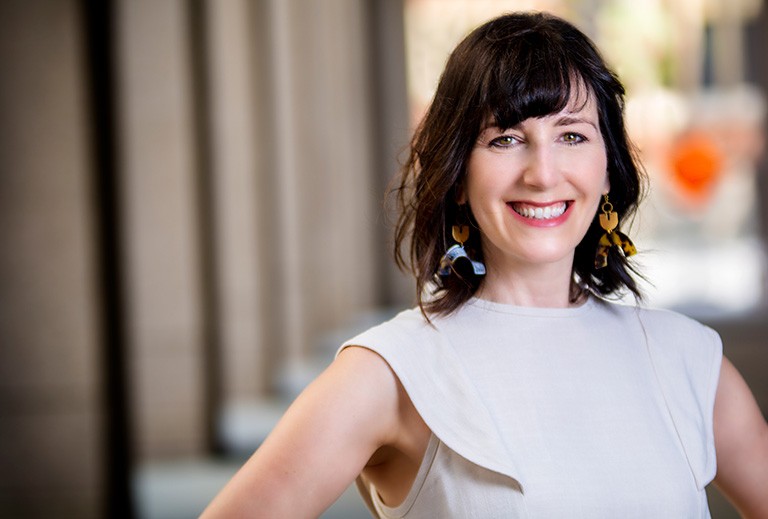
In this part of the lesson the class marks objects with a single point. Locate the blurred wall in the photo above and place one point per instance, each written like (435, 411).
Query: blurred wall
(190, 195)
(50, 402)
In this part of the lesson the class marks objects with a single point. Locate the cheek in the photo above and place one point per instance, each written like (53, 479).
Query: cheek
(486, 178)
(481, 196)
(604, 167)
(600, 180)
(473, 188)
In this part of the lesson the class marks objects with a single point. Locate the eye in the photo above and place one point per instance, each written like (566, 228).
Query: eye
(573, 138)
(503, 141)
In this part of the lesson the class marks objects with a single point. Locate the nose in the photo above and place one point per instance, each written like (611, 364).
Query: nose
(541, 170)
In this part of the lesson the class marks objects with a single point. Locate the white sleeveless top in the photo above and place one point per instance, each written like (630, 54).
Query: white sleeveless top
(600, 411)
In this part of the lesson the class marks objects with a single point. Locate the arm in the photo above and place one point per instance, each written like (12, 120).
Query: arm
(741, 443)
(321, 444)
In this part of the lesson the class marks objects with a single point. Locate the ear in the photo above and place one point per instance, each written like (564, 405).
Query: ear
(607, 185)
(461, 194)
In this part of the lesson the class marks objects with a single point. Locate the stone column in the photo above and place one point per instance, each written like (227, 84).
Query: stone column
(51, 452)
(235, 172)
(163, 288)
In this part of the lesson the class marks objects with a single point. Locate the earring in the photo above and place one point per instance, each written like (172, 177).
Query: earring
(457, 252)
(609, 220)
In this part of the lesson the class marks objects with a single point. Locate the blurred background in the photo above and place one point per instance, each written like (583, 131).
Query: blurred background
(191, 207)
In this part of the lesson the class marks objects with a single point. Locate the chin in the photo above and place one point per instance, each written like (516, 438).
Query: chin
(545, 255)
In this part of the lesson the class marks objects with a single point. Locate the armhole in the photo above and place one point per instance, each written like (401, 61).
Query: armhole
(403, 508)
(716, 366)
(466, 427)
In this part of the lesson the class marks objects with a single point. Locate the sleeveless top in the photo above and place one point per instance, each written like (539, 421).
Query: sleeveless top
(598, 411)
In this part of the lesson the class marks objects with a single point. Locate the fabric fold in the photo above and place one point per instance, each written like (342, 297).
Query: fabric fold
(601, 410)
(678, 345)
(429, 364)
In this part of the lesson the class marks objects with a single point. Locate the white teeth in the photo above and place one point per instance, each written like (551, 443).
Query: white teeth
(541, 213)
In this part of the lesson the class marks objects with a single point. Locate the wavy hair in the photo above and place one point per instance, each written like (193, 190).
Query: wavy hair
(514, 67)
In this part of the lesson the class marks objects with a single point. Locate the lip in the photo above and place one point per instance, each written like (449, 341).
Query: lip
(534, 222)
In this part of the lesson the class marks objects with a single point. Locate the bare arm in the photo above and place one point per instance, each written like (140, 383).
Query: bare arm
(741, 442)
(321, 444)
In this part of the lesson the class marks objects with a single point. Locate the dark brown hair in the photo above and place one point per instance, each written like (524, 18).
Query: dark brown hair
(512, 68)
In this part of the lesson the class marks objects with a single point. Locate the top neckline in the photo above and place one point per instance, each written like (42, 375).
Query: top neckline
(533, 311)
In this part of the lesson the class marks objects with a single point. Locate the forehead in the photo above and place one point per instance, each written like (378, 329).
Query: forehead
(582, 101)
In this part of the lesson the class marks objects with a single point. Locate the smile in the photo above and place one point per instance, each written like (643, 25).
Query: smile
(547, 212)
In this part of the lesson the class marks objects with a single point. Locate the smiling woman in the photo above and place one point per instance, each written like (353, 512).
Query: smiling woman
(502, 86)
(518, 389)
(534, 191)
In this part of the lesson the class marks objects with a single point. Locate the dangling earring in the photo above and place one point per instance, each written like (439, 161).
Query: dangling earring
(609, 220)
(457, 252)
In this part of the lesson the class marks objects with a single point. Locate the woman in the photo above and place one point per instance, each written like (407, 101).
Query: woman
(516, 389)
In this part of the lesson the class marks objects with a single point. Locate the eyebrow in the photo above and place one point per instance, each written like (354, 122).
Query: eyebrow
(565, 120)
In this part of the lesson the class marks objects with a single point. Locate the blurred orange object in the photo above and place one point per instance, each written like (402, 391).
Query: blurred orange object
(696, 166)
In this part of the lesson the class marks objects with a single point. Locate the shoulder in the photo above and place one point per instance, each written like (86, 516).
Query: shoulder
(682, 334)
(674, 329)
(673, 321)
(406, 333)
(676, 340)
(362, 387)
(683, 350)
(387, 354)
(406, 321)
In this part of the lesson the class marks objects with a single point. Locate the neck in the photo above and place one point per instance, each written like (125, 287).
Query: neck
(546, 286)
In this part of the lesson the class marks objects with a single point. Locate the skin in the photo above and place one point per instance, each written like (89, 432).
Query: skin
(356, 417)
(546, 163)
(741, 443)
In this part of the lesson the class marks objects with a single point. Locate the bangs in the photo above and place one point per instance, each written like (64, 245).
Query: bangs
(534, 83)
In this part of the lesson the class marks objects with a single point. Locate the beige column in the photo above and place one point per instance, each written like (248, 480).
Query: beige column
(287, 246)
(51, 442)
(239, 228)
(391, 134)
(340, 201)
(325, 205)
(158, 184)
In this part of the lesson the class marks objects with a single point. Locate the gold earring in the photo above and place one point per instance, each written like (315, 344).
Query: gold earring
(609, 221)
(457, 252)
(460, 233)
